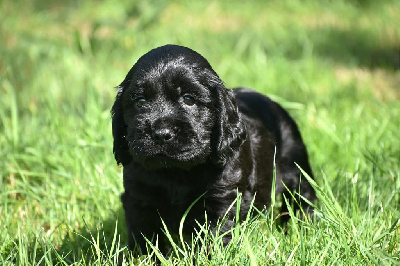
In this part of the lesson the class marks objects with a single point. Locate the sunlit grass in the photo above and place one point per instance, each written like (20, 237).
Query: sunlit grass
(333, 65)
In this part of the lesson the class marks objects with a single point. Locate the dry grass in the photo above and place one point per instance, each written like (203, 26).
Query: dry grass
(383, 84)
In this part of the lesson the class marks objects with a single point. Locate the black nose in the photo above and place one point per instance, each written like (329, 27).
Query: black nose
(163, 135)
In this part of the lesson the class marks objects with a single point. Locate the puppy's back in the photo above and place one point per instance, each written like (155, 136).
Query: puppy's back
(258, 109)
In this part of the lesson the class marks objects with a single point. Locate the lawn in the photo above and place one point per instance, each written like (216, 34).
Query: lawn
(334, 65)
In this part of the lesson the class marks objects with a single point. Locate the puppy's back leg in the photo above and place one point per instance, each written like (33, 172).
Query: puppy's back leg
(292, 183)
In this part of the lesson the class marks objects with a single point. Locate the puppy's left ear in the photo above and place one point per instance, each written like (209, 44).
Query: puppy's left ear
(229, 132)
(119, 130)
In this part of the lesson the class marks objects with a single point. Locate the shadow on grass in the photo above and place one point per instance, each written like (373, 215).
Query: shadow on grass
(349, 47)
(104, 242)
(96, 242)
(355, 47)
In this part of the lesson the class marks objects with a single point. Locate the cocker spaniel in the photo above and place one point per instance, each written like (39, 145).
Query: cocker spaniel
(182, 136)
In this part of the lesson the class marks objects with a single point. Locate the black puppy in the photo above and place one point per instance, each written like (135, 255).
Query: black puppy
(180, 134)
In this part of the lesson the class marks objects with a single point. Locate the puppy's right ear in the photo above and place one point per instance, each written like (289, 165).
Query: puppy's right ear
(119, 130)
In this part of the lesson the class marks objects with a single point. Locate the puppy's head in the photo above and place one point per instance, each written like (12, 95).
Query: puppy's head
(172, 110)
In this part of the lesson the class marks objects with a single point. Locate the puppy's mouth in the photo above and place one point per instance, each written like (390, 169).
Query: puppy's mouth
(158, 156)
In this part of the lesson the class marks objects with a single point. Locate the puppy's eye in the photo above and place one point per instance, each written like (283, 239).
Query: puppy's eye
(140, 101)
(188, 99)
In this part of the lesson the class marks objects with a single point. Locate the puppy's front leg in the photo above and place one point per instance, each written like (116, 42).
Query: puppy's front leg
(141, 221)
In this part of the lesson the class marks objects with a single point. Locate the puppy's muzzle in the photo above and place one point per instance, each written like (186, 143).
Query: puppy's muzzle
(164, 131)
(163, 135)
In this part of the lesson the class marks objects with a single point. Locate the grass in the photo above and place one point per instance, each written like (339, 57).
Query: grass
(333, 64)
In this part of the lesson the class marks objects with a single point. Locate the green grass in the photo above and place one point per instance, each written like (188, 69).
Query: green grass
(333, 64)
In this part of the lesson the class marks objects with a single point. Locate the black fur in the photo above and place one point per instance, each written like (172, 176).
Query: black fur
(180, 134)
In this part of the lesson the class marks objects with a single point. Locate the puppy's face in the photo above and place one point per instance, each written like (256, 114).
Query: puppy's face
(173, 111)
(169, 115)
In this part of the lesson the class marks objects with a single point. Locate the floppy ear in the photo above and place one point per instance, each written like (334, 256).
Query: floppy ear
(229, 132)
(119, 130)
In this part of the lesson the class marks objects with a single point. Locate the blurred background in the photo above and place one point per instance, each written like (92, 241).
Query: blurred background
(333, 64)
(274, 46)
